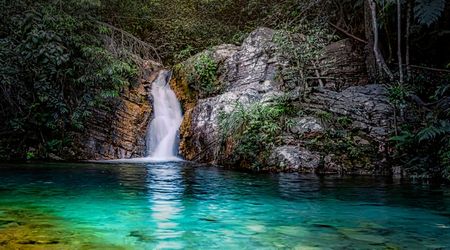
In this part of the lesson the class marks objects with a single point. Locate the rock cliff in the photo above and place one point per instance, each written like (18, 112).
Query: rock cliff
(339, 126)
(118, 130)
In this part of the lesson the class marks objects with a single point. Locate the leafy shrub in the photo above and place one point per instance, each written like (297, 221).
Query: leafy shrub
(204, 76)
(252, 131)
(56, 70)
(422, 144)
(302, 53)
(325, 117)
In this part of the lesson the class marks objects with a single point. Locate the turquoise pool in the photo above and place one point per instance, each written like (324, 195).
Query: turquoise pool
(187, 206)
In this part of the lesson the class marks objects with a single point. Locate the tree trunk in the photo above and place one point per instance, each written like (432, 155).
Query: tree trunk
(399, 41)
(381, 64)
(408, 33)
(371, 64)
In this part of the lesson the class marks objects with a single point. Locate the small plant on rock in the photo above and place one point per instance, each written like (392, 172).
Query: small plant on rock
(203, 78)
(252, 131)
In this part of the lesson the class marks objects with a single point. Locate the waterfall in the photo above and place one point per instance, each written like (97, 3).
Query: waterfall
(162, 133)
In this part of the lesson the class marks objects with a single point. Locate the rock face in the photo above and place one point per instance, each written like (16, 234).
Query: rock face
(292, 158)
(306, 125)
(119, 130)
(343, 65)
(333, 128)
(367, 106)
(248, 77)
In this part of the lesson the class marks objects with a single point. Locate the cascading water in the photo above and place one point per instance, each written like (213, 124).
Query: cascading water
(162, 134)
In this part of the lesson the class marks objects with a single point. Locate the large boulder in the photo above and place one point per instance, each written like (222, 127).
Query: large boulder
(248, 76)
(343, 65)
(346, 117)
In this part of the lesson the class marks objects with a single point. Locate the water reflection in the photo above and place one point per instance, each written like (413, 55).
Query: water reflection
(183, 205)
(165, 187)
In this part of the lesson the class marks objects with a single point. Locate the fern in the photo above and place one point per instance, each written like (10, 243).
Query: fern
(433, 131)
(428, 11)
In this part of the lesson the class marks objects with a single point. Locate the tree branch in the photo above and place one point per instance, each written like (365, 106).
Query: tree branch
(348, 33)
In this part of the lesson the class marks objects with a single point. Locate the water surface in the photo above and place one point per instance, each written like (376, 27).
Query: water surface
(186, 206)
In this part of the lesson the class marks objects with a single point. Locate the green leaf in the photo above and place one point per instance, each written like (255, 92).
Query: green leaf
(428, 11)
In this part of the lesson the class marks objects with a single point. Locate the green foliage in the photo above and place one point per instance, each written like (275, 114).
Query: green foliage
(346, 147)
(398, 93)
(423, 143)
(30, 155)
(428, 11)
(204, 76)
(253, 130)
(434, 131)
(53, 70)
(325, 117)
(184, 53)
(344, 121)
(175, 25)
(301, 52)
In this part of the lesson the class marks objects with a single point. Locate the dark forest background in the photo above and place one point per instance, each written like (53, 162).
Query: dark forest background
(61, 58)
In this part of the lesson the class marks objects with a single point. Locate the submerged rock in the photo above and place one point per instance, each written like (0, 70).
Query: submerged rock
(141, 236)
(356, 234)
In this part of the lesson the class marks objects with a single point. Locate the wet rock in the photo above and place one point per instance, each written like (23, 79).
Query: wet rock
(360, 141)
(330, 165)
(306, 125)
(356, 234)
(209, 218)
(323, 226)
(295, 231)
(257, 228)
(54, 157)
(294, 158)
(6, 222)
(38, 242)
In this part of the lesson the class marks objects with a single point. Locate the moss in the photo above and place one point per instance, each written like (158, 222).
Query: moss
(31, 229)
(197, 77)
(192, 80)
(204, 76)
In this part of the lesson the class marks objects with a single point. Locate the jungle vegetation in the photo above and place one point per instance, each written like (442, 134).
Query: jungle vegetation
(61, 58)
